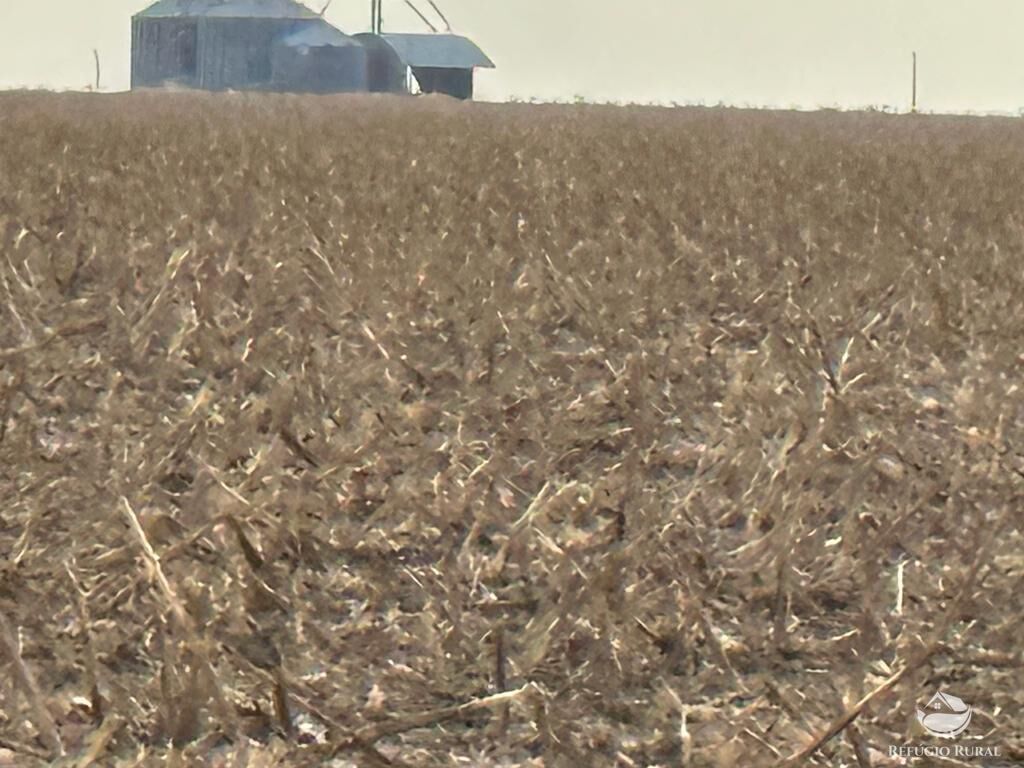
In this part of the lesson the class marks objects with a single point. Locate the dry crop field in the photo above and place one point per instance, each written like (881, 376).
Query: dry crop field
(401, 432)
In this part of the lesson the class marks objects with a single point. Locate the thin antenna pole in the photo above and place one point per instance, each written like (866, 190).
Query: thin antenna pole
(437, 10)
(424, 18)
(913, 94)
(380, 17)
(96, 55)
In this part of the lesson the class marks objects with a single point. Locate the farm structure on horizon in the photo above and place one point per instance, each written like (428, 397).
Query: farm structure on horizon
(281, 45)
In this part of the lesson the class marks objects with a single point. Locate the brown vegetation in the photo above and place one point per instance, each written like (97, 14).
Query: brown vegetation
(363, 431)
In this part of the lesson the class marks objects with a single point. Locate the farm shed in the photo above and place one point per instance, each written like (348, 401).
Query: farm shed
(440, 63)
(231, 44)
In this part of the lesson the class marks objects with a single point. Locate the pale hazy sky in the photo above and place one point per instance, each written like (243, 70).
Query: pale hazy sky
(785, 53)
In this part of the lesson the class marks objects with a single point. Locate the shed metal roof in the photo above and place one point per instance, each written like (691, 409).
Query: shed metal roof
(261, 9)
(318, 34)
(440, 51)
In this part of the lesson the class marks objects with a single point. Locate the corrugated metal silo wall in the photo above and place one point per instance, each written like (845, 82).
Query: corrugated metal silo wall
(326, 69)
(453, 82)
(236, 53)
(136, 53)
(164, 51)
(385, 71)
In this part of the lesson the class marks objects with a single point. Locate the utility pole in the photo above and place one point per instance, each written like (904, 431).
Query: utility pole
(913, 92)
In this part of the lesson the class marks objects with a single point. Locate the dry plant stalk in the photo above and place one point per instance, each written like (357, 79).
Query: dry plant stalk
(95, 699)
(27, 683)
(984, 540)
(100, 741)
(369, 735)
(178, 611)
(184, 622)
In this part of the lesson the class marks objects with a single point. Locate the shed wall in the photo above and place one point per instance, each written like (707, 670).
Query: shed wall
(453, 82)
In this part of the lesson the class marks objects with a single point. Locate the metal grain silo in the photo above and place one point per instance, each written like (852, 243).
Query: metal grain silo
(165, 45)
(236, 38)
(318, 58)
(386, 72)
(213, 44)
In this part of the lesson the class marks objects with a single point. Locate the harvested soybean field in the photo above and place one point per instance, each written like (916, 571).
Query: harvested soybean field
(369, 431)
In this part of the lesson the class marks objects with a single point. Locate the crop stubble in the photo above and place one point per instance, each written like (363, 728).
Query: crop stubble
(391, 431)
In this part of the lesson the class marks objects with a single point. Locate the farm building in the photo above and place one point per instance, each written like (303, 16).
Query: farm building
(440, 63)
(281, 45)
